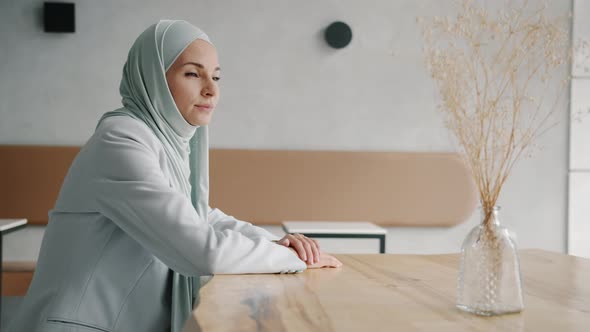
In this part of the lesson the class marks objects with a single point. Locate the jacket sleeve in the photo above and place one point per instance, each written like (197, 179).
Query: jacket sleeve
(131, 190)
(221, 222)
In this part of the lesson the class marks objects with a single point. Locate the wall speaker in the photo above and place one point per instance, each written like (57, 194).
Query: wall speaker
(338, 34)
(59, 17)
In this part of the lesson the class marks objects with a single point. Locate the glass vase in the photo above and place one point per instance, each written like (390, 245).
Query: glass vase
(489, 280)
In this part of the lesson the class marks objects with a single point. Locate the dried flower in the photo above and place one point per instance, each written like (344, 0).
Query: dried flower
(486, 68)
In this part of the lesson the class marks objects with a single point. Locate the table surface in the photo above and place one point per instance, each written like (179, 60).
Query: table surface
(8, 224)
(392, 292)
(332, 227)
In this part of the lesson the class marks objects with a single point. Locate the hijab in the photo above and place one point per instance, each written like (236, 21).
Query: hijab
(147, 98)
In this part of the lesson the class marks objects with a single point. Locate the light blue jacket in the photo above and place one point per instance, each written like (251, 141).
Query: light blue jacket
(117, 230)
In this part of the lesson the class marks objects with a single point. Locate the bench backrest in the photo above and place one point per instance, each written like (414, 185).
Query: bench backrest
(268, 187)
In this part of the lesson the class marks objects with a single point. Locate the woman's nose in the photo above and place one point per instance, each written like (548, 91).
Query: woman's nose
(209, 90)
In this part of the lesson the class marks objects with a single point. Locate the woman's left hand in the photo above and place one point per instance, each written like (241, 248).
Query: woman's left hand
(307, 249)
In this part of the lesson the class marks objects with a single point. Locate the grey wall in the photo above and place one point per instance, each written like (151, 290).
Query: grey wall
(579, 149)
(282, 88)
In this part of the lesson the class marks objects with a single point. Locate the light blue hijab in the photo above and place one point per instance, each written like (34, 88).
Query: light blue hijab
(146, 97)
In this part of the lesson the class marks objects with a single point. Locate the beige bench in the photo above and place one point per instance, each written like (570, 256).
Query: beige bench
(267, 187)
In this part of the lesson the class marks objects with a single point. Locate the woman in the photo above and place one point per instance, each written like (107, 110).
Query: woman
(131, 230)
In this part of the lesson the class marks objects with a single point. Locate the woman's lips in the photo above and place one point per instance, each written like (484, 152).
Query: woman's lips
(206, 108)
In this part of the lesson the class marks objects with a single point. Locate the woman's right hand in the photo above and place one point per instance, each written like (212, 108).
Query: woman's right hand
(326, 260)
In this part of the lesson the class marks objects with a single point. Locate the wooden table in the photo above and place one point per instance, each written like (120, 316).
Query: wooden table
(392, 293)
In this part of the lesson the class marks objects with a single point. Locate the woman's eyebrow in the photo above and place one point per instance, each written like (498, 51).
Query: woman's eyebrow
(199, 65)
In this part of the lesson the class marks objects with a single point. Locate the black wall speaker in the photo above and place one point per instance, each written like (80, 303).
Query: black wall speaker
(59, 17)
(338, 34)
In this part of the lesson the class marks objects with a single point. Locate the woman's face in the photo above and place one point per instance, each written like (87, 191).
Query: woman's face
(192, 80)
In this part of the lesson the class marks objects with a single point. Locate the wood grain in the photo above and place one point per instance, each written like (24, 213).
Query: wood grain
(392, 293)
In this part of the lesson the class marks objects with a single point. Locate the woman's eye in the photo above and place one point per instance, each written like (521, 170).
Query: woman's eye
(192, 74)
(216, 78)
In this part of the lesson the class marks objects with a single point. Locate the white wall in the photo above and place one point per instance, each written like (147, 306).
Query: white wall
(579, 162)
(282, 88)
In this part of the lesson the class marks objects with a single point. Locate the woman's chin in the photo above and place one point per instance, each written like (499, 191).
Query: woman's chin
(197, 117)
(201, 121)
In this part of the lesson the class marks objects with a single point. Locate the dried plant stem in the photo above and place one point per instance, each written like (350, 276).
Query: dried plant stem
(491, 292)
(485, 67)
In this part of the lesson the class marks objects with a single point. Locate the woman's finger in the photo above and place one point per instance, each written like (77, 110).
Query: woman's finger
(317, 243)
(307, 244)
(308, 251)
(297, 244)
(327, 260)
(332, 261)
(284, 241)
(335, 262)
(315, 249)
(310, 246)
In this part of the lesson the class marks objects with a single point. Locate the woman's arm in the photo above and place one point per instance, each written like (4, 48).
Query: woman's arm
(307, 249)
(221, 221)
(131, 190)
